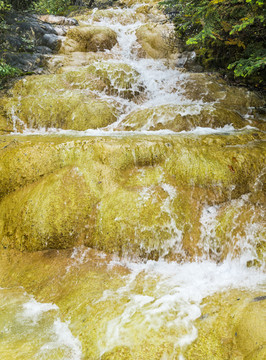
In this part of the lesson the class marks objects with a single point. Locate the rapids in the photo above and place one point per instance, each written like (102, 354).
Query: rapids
(132, 203)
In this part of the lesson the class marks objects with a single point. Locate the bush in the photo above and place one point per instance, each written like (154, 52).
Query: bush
(56, 7)
(229, 34)
(16, 4)
(7, 72)
(52, 6)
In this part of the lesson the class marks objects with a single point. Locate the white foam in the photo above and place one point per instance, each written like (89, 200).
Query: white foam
(33, 310)
(175, 302)
(227, 129)
(63, 338)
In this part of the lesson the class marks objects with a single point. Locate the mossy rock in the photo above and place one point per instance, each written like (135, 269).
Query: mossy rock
(72, 110)
(232, 326)
(227, 164)
(120, 352)
(89, 38)
(250, 330)
(55, 212)
(181, 118)
(150, 190)
(57, 83)
(150, 222)
(153, 41)
(62, 62)
(121, 78)
(114, 78)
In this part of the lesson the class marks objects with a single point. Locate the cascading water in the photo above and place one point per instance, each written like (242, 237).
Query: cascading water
(159, 170)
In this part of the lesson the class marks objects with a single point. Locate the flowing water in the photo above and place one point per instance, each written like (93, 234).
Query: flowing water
(159, 173)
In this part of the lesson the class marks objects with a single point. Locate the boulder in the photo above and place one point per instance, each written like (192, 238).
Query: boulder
(26, 41)
(52, 41)
(155, 42)
(89, 38)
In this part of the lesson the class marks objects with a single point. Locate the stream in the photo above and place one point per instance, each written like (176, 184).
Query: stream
(132, 202)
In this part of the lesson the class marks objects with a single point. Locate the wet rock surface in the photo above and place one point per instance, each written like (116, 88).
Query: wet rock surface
(139, 180)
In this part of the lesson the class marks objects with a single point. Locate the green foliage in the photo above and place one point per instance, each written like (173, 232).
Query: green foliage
(247, 67)
(231, 32)
(15, 4)
(7, 72)
(4, 6)
(57, 7)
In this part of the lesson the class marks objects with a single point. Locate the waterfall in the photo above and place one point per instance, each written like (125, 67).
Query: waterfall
(132, 220)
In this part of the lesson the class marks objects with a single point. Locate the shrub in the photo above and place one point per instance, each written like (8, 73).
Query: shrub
(7, 72)
(225, 33)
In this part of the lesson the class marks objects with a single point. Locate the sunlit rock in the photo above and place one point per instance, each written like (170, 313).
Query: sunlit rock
(89, 38)
(58, 20)
(154, 41)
